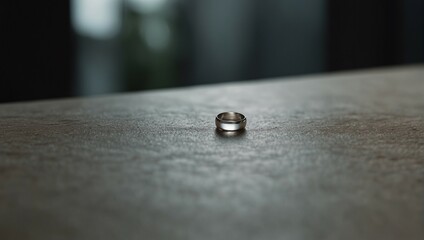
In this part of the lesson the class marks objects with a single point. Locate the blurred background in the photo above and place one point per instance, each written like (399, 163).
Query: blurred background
(53, 49)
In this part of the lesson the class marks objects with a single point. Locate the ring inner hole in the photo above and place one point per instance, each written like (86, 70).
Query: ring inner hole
(231, 116)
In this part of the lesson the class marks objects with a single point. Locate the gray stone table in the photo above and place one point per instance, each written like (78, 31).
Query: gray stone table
(337, 156)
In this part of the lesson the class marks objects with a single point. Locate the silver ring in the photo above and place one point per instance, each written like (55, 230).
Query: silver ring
(230, 121)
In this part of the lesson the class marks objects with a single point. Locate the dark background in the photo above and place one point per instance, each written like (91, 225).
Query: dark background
(52, 49)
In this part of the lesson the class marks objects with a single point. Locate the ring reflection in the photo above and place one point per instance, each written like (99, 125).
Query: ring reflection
(230, 134)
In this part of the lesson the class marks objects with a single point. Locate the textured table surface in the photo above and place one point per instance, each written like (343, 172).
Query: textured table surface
(338, 156)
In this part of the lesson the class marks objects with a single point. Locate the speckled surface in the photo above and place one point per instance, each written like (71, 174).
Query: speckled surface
(337, 156)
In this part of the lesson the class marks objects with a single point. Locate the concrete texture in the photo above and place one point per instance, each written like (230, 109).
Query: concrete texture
(338, 156)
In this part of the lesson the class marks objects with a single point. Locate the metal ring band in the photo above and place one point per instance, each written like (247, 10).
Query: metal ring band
(230, 121)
